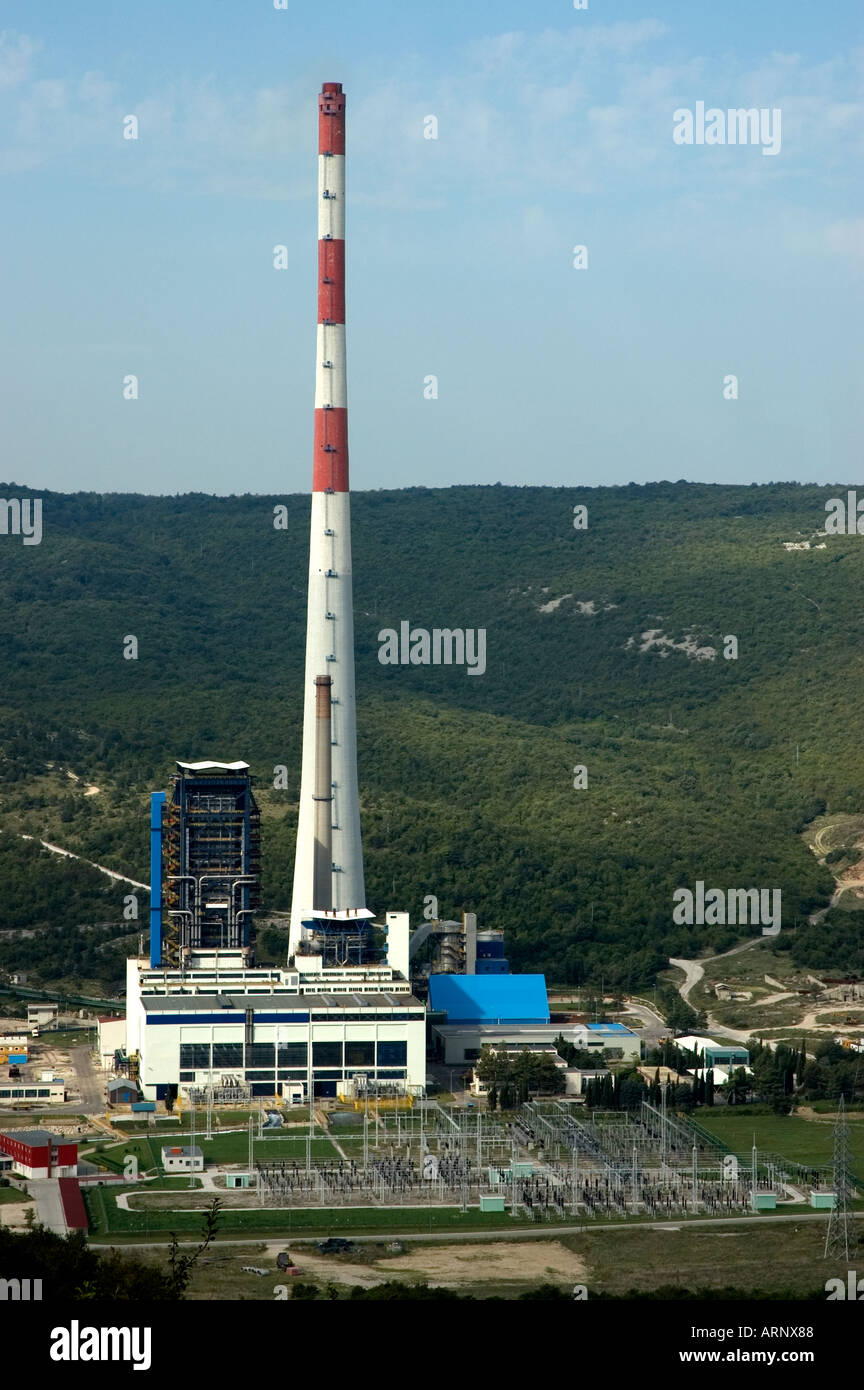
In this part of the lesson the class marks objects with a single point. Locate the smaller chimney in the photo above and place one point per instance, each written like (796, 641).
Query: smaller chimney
(323, 796)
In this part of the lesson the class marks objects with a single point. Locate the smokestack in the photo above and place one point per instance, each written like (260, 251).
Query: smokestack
(330, 620)
(323, 797)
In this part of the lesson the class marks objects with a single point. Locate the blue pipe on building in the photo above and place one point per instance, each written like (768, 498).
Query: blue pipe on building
(157, 802)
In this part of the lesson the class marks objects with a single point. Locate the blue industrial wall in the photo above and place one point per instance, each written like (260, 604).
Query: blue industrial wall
(490, 998)
(157, 801)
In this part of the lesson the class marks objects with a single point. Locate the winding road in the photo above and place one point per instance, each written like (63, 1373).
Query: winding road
(694, 970)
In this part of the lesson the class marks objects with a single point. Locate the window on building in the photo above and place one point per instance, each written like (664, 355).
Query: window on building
(292, 1075)
(260, 1076)
(227, 1054)
(187, 1076)
(195, 1055)
(392, 1054)
(260, 1055)
(360, 1054)
(327, 1054)
(471, 1054)
(292, 1054)
(391, 1075)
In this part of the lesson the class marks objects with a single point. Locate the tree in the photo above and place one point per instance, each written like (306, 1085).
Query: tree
(74, 1272)
(736, 1089)
(513, 1076)
(769, 1081)
(181, 1265)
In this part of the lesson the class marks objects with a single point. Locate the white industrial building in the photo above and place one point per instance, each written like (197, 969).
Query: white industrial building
(270, 1029)
(186, 1158)
(32, 1092)
(457, 1043)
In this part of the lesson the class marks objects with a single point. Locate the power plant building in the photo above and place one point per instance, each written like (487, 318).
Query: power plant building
(260, 1032)
(340, 1014)
(199, 1015)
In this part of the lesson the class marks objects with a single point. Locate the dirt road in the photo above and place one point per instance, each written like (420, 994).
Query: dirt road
(694, 970)
(67, 854)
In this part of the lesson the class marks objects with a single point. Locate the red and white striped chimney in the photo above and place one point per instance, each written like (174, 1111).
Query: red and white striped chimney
(330, 621)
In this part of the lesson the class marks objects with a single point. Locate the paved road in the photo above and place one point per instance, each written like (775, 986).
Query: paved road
(651, 1025)
(529, 1233)
(89, 1081)
(49, 1209)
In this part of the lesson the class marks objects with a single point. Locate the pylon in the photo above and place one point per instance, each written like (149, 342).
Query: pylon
(841, 1238)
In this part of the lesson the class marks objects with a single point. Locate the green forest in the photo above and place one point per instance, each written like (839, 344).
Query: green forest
(697, 768)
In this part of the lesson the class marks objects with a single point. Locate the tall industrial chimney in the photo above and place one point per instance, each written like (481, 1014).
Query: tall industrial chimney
(330, 621)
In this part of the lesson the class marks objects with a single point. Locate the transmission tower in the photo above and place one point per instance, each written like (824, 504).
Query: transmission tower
(841, 1240)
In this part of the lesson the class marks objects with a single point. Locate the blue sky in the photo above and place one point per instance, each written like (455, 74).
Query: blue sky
(155, 256)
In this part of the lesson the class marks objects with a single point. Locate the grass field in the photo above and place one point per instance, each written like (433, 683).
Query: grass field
(785, 1258)
(764, 1257)
(805, 1141)
(9, 1196)
(173, 1182)
(106, 1218)
(222, 1148)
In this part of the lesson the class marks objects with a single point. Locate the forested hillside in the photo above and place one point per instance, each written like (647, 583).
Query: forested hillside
(597, 656)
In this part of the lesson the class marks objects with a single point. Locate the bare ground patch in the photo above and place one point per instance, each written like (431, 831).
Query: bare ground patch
(468, 1263)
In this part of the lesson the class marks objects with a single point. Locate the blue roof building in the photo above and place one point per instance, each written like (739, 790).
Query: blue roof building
(503, 999)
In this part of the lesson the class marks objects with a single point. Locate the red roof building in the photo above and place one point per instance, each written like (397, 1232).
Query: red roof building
(37, 1153)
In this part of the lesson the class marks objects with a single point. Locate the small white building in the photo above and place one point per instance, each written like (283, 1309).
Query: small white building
(41, 1016)
(721, 1074)
(620, 1041)
(576, 1079)
(112, 1038)
(182, 1158)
